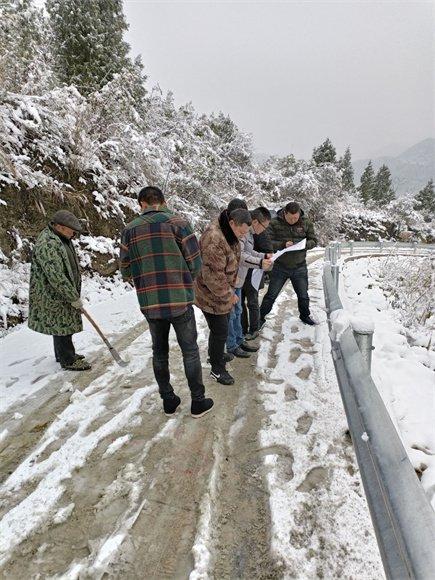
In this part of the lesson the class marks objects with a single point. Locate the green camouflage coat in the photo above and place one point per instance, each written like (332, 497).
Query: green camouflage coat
(53, 287)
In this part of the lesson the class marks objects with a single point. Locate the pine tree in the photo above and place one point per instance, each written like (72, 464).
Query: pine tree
(25, 57)
(88, 41)
(345, 164)
(367, 183)
(425, 199)
(383, 191)
(325, 153)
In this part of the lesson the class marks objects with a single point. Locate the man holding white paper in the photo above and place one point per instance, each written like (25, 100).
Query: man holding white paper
(292, 234)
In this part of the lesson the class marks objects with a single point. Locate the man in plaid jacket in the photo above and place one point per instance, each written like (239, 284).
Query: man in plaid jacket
(160, 253)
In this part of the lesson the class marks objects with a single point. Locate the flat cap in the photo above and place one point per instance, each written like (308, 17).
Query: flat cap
(64, 217)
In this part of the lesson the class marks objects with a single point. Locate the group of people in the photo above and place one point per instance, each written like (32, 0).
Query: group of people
(172, 270)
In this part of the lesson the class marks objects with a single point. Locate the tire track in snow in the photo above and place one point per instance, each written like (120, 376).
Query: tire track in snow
(46, 476)
(43, 407)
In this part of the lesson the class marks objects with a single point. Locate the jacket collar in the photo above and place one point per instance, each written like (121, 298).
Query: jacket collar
(160, 208)
(224, 225)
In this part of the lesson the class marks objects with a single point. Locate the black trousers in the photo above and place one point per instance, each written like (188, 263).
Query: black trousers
(278, 278)
(64, 350)
(185, 330)
(251, 311)
(218, 325)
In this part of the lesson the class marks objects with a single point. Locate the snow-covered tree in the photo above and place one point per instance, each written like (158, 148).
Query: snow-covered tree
(383, 191)
(367, 182)
(345, 164)
(324, 153)
(25, 56)
(425, 199)
(88, 41)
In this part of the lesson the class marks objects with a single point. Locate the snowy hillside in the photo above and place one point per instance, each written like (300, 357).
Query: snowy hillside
(77, 134)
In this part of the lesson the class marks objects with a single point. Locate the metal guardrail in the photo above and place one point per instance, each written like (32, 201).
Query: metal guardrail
(402, 516)
(380, 246)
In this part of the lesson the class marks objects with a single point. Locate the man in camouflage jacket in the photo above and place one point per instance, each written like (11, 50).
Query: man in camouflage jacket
(55, 284)
(288, 228)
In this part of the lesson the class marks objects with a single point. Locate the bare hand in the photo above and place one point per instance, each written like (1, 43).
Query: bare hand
(235, 299)
(266, 264)
(288, 244)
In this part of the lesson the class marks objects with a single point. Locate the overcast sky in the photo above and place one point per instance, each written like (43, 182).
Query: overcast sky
(292, 73)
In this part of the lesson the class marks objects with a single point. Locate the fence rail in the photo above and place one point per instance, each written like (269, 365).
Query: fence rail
(402, 516)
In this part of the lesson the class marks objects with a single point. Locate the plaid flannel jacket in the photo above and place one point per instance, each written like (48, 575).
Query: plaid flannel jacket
(160, 252)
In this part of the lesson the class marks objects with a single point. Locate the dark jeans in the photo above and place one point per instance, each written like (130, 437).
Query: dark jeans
(64, 350)
(251, 313)
(185, 330)
(218, 325)
(298, 277)
(235, 330)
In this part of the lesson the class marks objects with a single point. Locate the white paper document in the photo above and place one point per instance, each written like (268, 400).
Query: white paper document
(294, 248)
(256, 278)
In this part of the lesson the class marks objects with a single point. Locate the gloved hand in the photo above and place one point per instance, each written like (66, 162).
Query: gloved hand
(77, 304)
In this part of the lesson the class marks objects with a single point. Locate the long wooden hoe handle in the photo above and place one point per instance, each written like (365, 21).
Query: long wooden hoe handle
(112, 349)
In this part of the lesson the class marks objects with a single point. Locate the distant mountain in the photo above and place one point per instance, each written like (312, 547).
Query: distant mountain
(411, 170)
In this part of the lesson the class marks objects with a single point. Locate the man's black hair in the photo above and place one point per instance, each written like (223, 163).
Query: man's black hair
(151, 195)
(292, 207)
(236, 203)
(261, 214)
(240, 216)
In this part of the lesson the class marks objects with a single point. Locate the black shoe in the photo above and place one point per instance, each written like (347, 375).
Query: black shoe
(240, 353)
(170, 405)
(222, 377)
(228, 357)
(249, 347)
(252, 335)
(200, 408)
(308, 320)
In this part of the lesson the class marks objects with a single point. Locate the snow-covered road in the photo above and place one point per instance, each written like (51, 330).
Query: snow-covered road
(95, 479)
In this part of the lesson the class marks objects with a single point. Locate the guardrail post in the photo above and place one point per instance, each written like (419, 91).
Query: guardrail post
(381, 245)
(414, 246)
(328, 253)
(333, 253)
(364, 340)
(351, 247)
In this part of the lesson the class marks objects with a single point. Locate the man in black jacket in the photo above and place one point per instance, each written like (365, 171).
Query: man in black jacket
(288, 228)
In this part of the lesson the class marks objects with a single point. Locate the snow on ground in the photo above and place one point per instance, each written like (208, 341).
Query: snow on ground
(27, 359)
(318, 513)
(48, 469)
(320, 521)
(402, 370)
